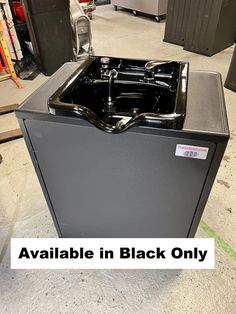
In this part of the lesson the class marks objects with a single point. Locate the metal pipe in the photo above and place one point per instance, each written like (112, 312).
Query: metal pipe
(113, 73)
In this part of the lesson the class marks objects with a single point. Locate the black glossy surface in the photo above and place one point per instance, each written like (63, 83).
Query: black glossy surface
(154, 97)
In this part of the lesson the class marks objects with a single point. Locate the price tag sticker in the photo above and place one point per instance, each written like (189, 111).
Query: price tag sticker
(195, 152)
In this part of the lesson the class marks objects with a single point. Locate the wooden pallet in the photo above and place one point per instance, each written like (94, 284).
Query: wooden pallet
(8, 108)
(12, 134)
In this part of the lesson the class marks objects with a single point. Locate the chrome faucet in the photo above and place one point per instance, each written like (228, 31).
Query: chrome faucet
(150, 69)
(112, 75)
(110, 105)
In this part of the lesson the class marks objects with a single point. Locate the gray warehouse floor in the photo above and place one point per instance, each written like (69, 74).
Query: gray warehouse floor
(24, 213)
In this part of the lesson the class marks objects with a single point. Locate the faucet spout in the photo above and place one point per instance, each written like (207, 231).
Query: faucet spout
(110, 105)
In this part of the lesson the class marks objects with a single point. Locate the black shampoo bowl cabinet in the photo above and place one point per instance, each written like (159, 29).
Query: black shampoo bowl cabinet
(126, 148)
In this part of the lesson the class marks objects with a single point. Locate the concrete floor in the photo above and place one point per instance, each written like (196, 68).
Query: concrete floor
(24, 213)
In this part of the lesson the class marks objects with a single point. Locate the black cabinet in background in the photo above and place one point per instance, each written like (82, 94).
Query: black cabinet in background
(230, 82)
(50, 32)
(201, 26)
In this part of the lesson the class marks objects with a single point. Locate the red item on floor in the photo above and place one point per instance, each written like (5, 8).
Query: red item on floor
(87, 5)
(18, 10)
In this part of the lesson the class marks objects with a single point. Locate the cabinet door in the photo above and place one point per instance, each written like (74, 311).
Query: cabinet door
(126, 185)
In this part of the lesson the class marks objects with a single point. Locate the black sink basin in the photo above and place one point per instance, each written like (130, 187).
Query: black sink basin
(115, 94)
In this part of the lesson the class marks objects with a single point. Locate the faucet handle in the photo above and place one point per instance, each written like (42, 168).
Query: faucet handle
(150, 69)
(150, 65)
(104, 65)
(105, 60)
